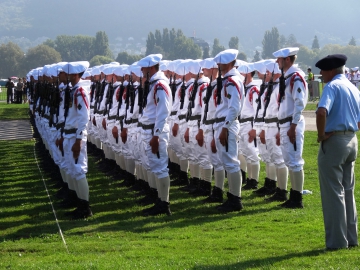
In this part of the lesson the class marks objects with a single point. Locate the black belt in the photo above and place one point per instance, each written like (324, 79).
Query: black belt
(46, 116)
(173, 113)
(341, 132)
(70, 131)
(209, 122)
(146, 127)
(100, 112)
(61, 125)
(112, 117)
(119, 118)
(249, 119)
(182, 116)
(271, 120)
(128, 122)
(195, 117)
(219, 120)
(91, 107)
(285, 120)
(259, 120)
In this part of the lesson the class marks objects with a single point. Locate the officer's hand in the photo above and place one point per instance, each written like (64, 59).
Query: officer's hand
(186, 135)
(200, 137)
(104, 123)
(277, 139)
(223, 137)
(61, 148)
(292, 133)
(154, 143)
(252, 135)
(325, 137)
(76, 148)
(115, 132)
(175, 130)
(262, 137)
(213, 146)
(124, 135)
(94, 121)
(57, 142)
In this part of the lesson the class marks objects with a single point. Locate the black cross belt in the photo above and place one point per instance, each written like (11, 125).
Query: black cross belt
(244, 120)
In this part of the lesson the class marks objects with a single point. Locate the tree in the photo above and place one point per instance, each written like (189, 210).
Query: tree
(73, 48)
(256, 56)
(234, 43)
(41, 55)
(185, 48)
(217, 47)
(315, 44)
(101, 45)
(206, 53)
(100, 60)
(158, 38)
(271, 43)
(125, 58)
(242, 56)
(150, 43)
(12, 58)
(166, 40)
(352, 41)
(291, 41)
(282, 41)
(306, 57)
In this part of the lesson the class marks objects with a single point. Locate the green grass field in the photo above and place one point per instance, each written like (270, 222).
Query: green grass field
(196, 236)
(13, 111)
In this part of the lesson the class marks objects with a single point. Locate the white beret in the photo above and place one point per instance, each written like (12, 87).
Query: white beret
(208, 63)
(150, 60)
(260, 66)
(355, 68)
(273, 67)
(245, 67)
(226, 56)
(75, 67)
(285, 52)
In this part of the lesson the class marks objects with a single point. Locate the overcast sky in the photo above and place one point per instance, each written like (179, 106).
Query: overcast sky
(332, 21)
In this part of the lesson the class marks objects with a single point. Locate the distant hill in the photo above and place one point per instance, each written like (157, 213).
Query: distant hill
(206, 19)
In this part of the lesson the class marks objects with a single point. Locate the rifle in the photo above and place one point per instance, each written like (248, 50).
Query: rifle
(101, 94)
(173, 86)
(127, 98)
(111, 89)
(182, 93)
(282, 86)
(132, 98)
(97, 96)
(262, 90)
(93, 86)
(52, 105)
(208, 95)
(192, 98)
(146, 90)
(140, 96)
(108, 98)
(219, 87)
(268, 94)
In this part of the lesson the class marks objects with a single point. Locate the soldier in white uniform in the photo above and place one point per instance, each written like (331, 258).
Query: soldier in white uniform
(229, 102)
(293, 96)
(75, 135)
(155, 130)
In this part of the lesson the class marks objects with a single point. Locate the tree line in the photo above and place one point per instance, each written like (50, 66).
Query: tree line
(173, 44)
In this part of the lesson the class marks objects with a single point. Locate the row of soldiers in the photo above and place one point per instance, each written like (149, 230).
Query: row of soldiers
(353, 75)
(193, 120)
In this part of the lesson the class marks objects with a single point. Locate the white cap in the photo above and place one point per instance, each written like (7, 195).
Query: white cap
(226, 56)
(245, 67)
(355, 69)
(260, 66)
(285, 52)
(173, 64)
(95, 71)
(183, 67)
(150, 60)
(134, 68)
(194, 67)
(109, 69)
(208, 63)
(164, 65)
(75, 67)
(273, 67)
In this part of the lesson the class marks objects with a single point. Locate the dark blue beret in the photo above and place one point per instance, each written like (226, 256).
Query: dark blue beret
(331, 61)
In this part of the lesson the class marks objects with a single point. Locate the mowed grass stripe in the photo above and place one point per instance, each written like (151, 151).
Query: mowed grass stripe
(196, 236)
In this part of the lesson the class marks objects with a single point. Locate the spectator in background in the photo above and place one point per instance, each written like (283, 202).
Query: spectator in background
(310, 78)
(19, 91)
(9, 88)
(24, 93)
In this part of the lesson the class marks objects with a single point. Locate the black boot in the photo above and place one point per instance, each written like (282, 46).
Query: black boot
(232, 204)
(82, 211)
(62, 193)
(204, 189)
(191, 186)
(269, 188)
(251, 184)
(138, 186)
(182, 179)
(70, 201)
(280, 195)
(295, 200)
(243, 176)
(159, 208)
(150, 197)
(216, 196)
